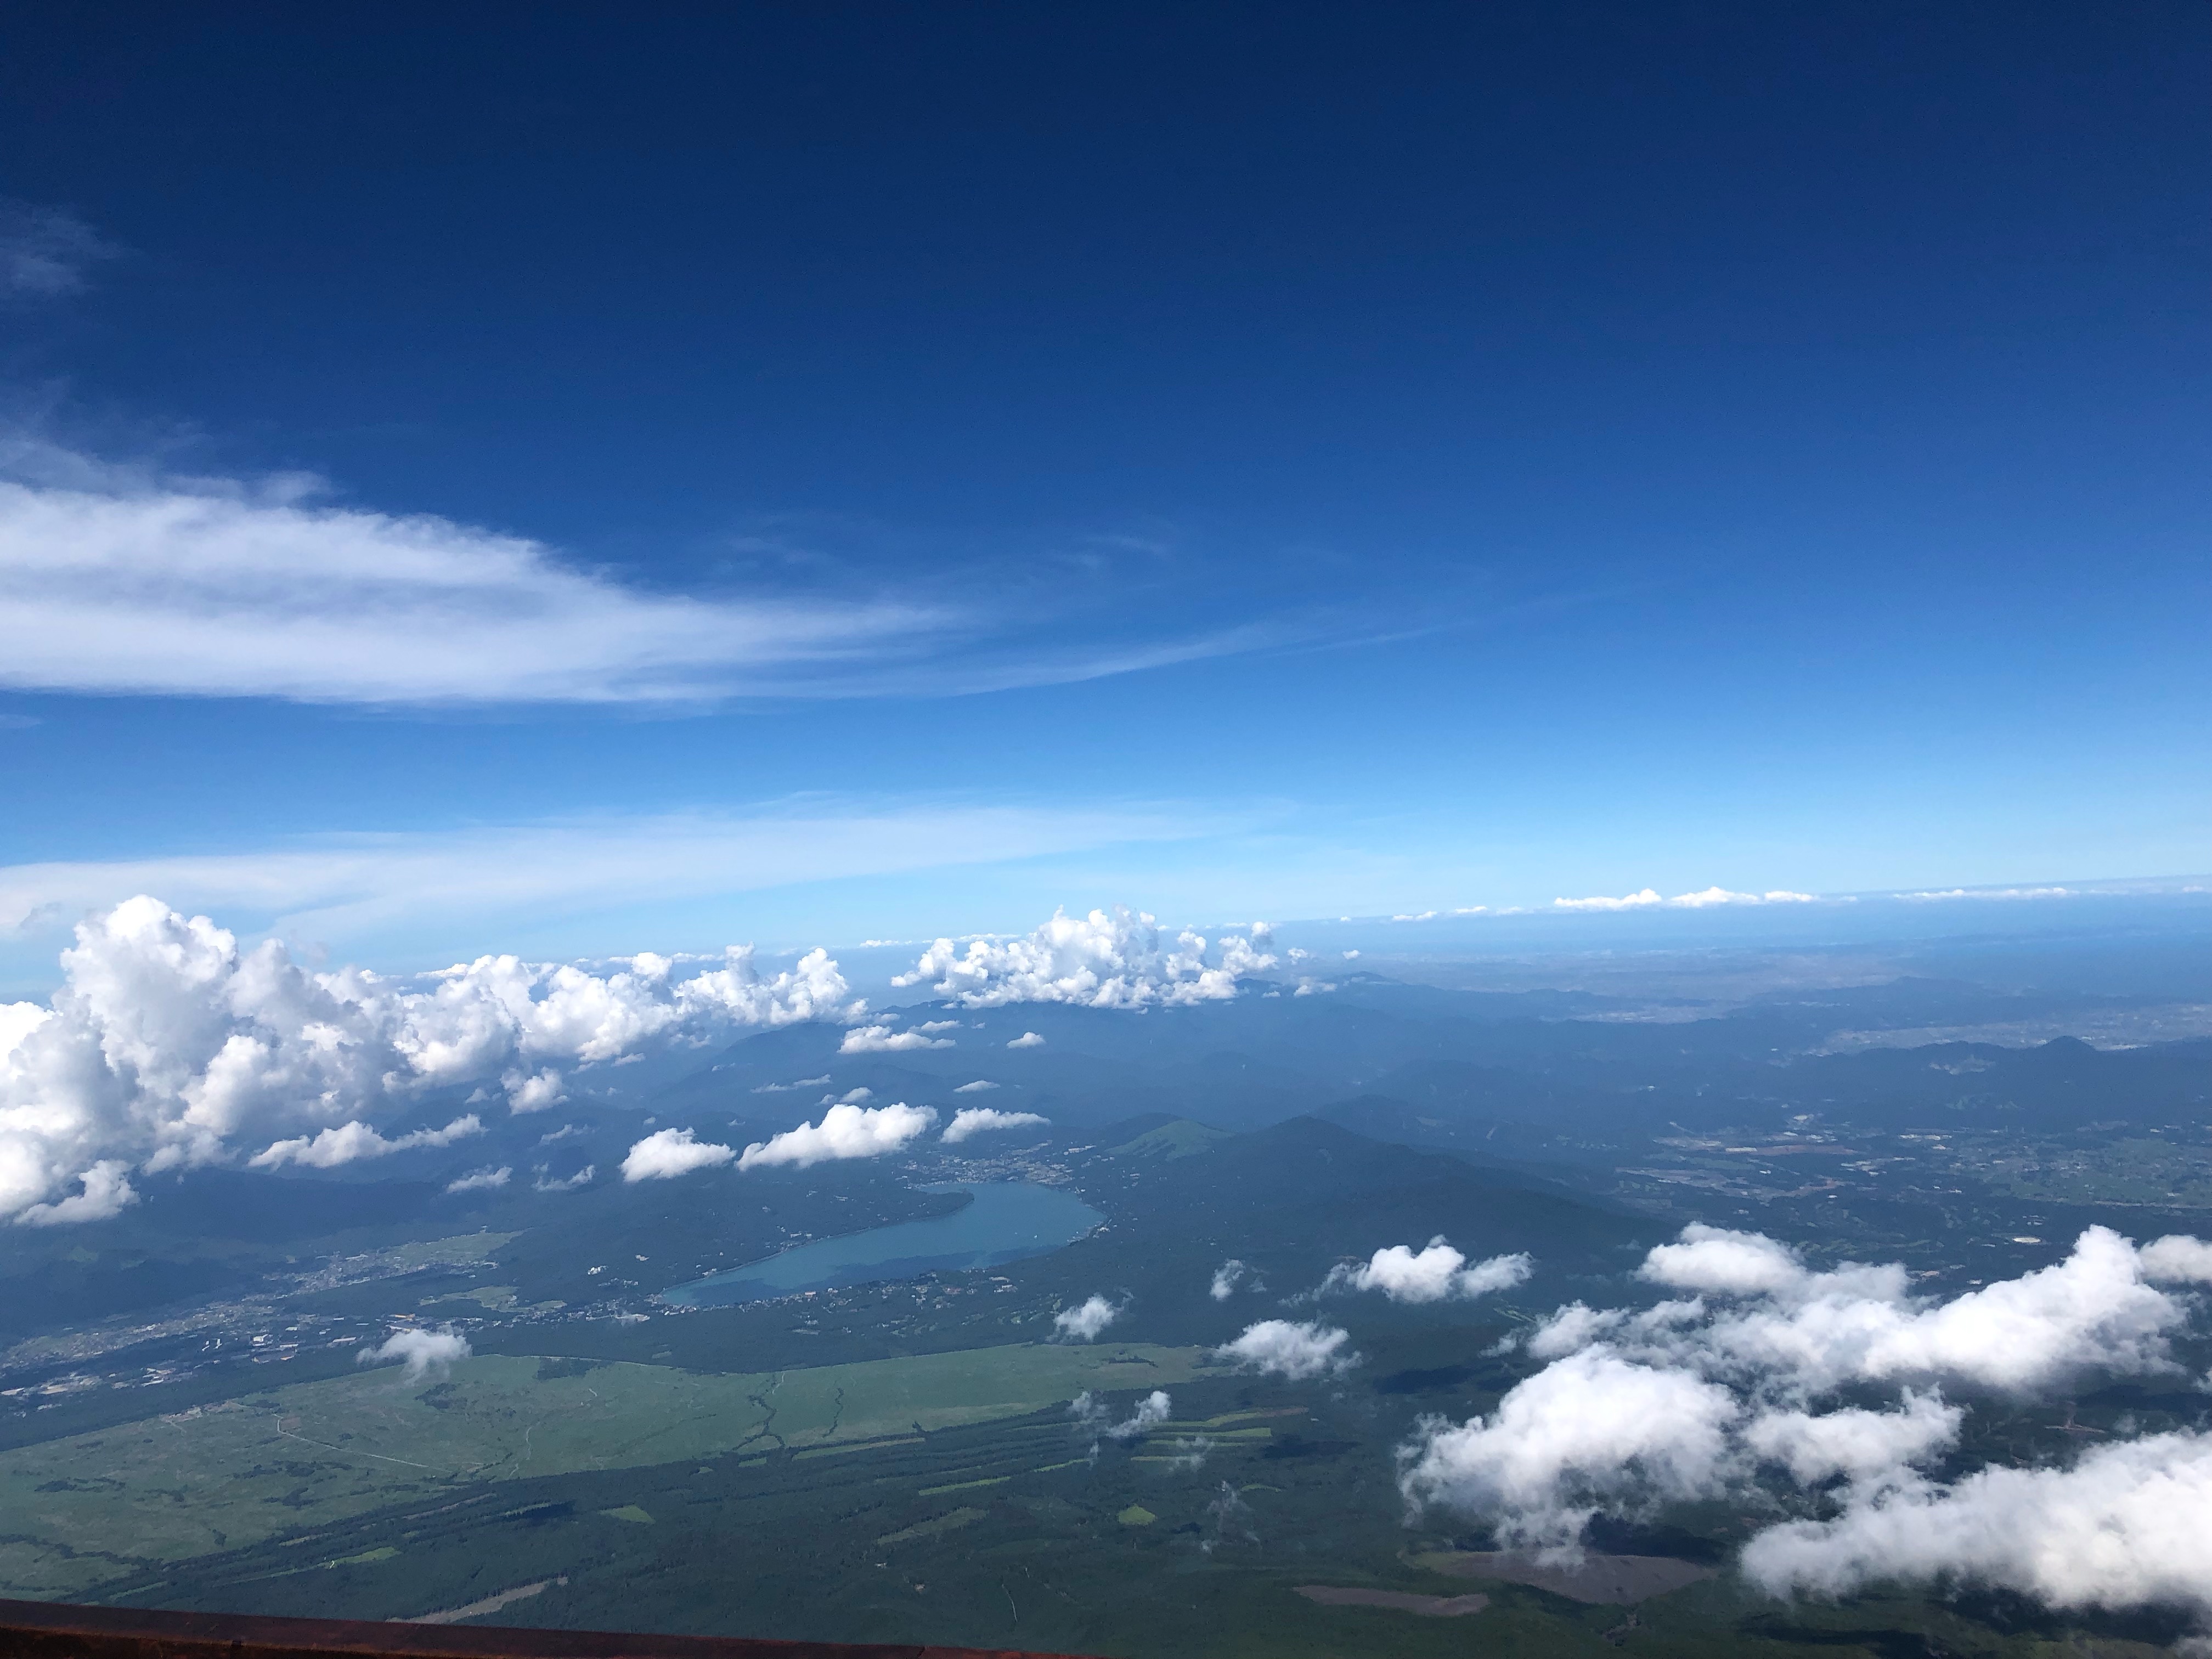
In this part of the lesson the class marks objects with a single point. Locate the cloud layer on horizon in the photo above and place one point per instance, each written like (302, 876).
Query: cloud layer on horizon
(1107, 959)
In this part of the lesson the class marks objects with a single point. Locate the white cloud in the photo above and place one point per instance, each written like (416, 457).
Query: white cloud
(1154, 1409)
(170, 1046)
(44, 251)
(545, 1183)
(1715, 1259)
(1991, 893)
(1294, 1350)
(1648, 899)
(452, 884)
(2094, 1311)
(844, 1132)
(1858, 1444)
(1587, 1432)
(1084, 1322)
(1026, 1040)
(1436, 1272)
(1227, 1277)
(351, 1142)
(1712, 895)
(1103, 960)
(2178, 1259)
(106, 1193)
(930, 1027)
(421, 1352)
(529, 1093)
(1689, 1398)
(477, 1181)
(116, 582)
(666, 1153)
(850, 1097)
(975, 1088)
(2129, 1525)
(785, 1088)
(18, 1020)
(882, 1040)
(974, 1120)
(1641, 901)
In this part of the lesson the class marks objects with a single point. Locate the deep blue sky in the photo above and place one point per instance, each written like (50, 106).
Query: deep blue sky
(1567, 447)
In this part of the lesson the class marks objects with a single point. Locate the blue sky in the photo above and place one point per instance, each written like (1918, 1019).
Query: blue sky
(571, 482)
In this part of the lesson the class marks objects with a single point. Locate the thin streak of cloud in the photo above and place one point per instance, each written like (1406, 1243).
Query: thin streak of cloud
(332, 886)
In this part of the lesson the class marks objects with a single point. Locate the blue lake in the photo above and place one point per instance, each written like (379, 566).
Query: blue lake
(1007, 1221)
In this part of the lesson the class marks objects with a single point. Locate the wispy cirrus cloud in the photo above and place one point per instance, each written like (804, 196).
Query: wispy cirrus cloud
(124, 580)
(45, 250)
(332, 886)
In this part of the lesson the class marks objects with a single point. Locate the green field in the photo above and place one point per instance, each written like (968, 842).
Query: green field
(283, 1463)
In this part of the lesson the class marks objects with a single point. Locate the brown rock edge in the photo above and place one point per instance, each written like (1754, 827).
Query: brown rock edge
(53, 1629)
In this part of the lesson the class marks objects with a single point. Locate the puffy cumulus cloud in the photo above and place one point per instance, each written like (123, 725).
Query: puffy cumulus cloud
(546, 1181)
(979, 1086)
(171, 1046)
(18, 1020)
(351, 1142)
(1857, 1444)
(105, 1192)
(667, 1153)
(1717, 1259)
(529, 1093)
(420, 1350)
(1436, 1273)
(1026, 1040)
(844, 1132)
(975, 1120)
(2128, 1525)
(1649, 899)
(479, 1180)
(1228, 1276)
(1760, 1313)
(882, 1040)
(1740, 1385)
(115, 581)
(1086, 1321)
(1105, 960)
(2178, 1260)
(1590, 1432)
(1282, 1348)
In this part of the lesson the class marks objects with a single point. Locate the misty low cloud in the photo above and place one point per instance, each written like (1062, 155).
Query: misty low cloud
(420, 1351)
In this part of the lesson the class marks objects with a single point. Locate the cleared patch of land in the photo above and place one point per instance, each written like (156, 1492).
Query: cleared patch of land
(1612, 1580)
(489, 1604)
(1429, 1606)
(89, 1507)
